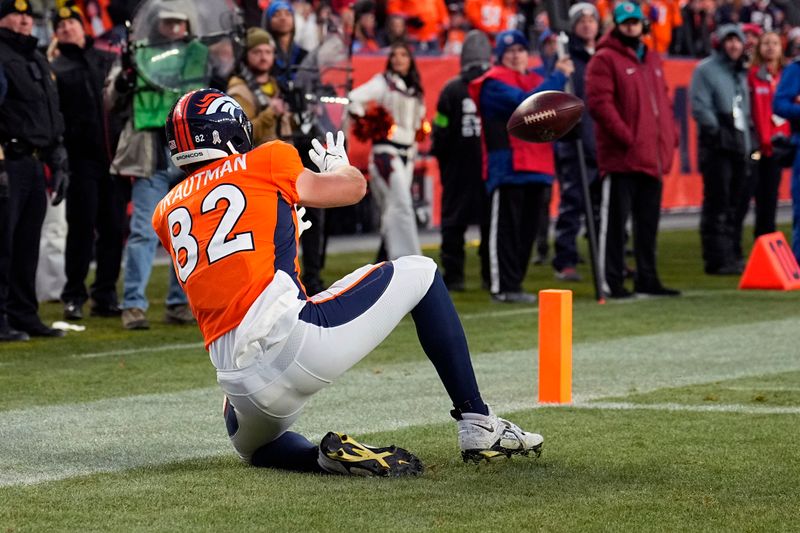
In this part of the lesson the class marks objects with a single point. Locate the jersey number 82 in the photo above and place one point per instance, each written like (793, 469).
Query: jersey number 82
(220, 245)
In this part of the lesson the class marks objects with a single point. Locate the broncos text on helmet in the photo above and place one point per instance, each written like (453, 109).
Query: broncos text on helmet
(205, 125)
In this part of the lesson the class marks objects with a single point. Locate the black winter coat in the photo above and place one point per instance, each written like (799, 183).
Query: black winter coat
(585, 128)
(457, 147)
(30, 111)
(80, 74)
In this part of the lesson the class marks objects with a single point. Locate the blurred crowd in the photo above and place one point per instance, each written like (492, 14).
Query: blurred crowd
(85, 158)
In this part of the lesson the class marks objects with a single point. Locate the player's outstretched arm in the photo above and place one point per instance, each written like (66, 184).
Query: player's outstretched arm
(337, 184)
(344, 186)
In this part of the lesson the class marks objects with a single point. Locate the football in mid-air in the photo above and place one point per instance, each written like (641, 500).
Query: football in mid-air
(546, 116)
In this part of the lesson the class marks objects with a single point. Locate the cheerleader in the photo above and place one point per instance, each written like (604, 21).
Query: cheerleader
(393, 103)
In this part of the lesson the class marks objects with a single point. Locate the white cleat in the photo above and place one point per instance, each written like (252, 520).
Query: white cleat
(488, 437)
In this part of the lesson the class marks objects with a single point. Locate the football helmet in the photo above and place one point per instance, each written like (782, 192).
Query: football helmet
(205, 125)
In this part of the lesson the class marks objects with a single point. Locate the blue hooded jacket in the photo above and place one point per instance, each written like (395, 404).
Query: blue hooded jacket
(784, 104)
(498, 101)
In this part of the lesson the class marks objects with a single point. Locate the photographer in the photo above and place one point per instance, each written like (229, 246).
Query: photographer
(258, 92)
(142, 151)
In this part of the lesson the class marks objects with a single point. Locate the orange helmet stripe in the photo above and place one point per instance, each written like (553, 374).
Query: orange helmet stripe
(187, 134)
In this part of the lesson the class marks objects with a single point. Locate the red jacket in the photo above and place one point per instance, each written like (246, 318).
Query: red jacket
(628, 100)
(508, 160)
(762, 84)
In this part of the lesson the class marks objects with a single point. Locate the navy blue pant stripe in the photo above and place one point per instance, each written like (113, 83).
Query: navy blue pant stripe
(285, 242)
(351, 303)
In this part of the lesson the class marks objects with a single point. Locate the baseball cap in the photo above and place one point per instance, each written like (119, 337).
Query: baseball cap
(173, 15)
(626, 11)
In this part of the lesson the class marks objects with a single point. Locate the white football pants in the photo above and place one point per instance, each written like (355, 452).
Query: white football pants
(337, 328)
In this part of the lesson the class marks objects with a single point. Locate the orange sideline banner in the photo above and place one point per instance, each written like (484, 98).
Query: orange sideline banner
(683, 186)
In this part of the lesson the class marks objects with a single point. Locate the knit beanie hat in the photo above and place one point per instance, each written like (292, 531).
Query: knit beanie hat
(476, 50)
(256, 37)
(15, 6)
(65, 13)
(509, 38)
(582, 9)
(277, 5)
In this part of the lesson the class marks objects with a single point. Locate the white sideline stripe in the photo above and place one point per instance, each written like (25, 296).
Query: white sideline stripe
(725, 408)
(132, 351)
(500, 314)
(763, 389)
(465, 316)
(46, 443)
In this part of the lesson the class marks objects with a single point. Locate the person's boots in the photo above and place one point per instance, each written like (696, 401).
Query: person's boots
(8, 334)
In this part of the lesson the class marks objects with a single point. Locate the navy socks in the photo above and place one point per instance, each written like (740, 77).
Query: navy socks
(290, 451)
(442, 338)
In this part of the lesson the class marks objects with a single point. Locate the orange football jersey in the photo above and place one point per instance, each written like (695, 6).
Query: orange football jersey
(229, 227)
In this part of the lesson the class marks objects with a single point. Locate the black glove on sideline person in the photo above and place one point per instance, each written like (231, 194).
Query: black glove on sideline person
(59, 170)
(126, 81)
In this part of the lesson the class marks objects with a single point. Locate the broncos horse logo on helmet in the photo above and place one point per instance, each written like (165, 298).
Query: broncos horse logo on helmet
(205, 125)
(212, 103)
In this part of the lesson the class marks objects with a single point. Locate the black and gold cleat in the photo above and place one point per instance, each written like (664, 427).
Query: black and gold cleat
(498, 452)
(342, 454)
(478, 456)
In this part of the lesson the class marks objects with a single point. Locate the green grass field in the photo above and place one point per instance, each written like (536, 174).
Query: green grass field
(686, 416)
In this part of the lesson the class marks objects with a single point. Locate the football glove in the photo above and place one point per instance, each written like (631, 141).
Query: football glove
(330, 157)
